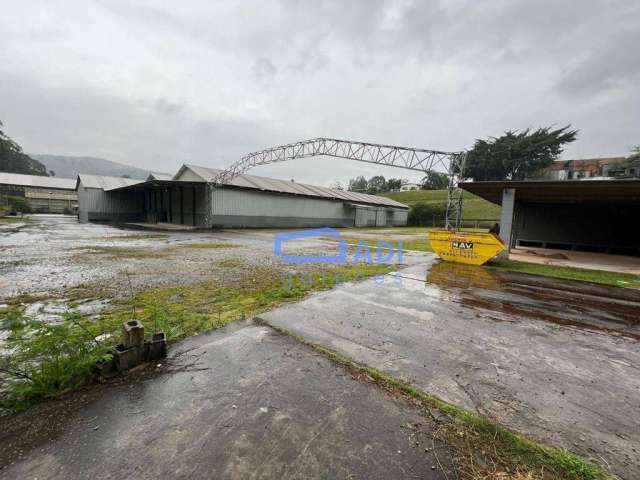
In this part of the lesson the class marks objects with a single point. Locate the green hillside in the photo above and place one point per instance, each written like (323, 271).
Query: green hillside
(473, 207)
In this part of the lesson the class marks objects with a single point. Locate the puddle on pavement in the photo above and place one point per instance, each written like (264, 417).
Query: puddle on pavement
(585, 306)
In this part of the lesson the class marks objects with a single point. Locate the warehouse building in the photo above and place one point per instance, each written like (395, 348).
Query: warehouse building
(246, 201)
(98, 203)
(581, 216)
(42, 194)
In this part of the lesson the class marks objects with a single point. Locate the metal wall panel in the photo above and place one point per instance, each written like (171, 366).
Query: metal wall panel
(245, 202)
(97, 205)
(397, 217)
(262, 208)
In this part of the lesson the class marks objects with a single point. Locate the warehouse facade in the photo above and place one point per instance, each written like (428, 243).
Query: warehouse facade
(42, 194)
(247, 201)
(97, 202)
(598, 216)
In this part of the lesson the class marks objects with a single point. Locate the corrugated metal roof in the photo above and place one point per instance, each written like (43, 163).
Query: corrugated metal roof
(106, 183)
(159, 176)
(284, 186)
(37, 181)
(626, 191)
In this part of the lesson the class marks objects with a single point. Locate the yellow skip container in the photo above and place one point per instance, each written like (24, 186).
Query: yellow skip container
(465, 247)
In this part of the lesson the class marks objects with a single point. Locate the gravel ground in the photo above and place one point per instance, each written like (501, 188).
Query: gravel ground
(51, 260)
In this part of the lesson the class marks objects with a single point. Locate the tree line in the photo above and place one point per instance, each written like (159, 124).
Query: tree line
(379, 184)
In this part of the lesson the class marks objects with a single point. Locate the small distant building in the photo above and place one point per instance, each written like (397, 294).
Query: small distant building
(586, 169)
(246, 201)
(409, 186)
(42, 194)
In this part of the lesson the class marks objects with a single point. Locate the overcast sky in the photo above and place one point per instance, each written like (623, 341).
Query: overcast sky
(157, 84)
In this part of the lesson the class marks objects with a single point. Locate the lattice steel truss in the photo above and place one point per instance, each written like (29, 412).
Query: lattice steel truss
(389, 155)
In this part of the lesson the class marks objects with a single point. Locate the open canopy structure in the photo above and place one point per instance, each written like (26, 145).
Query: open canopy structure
(579, 215)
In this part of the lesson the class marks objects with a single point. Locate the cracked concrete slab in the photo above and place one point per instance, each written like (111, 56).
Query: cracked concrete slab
(555, 360)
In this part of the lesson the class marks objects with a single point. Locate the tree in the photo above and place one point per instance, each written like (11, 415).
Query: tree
(434, 181)
(337, 185)
(394, 184)
(376, 184)
(516, 154)
(426, 214)
(358, 184)
(13, 160)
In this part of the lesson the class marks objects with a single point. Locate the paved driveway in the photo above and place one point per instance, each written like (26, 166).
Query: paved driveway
(556, 360)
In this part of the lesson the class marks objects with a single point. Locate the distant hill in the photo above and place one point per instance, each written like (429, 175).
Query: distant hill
(69, 167)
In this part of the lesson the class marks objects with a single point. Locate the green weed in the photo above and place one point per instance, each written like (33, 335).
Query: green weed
(42, 360)
(596, 276)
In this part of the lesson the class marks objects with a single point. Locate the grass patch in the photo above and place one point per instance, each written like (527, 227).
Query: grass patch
(144, 252)
(422, 245)
(25, 298)
(595, 276)
(14, 220)
(211, 245)
(473, 206)
(508, 451)
(125, 252)
(45, 360)
(418, 244)
(230, 263)
(139, 236)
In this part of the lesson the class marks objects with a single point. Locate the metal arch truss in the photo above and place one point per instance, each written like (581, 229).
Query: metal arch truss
(388, 155)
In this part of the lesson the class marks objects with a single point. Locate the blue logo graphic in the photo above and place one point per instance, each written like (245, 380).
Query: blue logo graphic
(384, 250)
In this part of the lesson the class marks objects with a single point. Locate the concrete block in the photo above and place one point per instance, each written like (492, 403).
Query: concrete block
(126, 358)
(132, 334)
(105, 368)
(157, 346)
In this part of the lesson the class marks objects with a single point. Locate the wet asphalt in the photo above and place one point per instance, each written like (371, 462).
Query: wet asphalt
(242, 402)
(556, 360)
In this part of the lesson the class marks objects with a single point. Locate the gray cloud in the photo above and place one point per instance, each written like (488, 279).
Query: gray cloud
(611, 65)
(157, 84)
(264, 70)
(157, 135)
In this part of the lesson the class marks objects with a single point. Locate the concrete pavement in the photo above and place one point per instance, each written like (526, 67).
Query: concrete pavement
(242, 402)
(556, 360)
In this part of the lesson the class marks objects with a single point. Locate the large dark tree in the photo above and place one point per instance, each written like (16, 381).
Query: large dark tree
(13, 160)
(516, 154)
